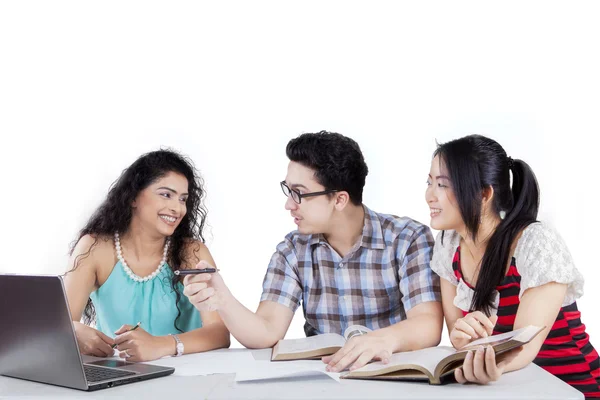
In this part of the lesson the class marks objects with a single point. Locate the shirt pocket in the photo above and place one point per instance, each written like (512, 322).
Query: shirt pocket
(381, 306)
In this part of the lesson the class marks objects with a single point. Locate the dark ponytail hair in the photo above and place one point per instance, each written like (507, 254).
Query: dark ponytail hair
(475, 163)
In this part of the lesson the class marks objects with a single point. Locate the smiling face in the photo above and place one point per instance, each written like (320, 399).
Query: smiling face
(162, 205)
(313, 214)
(440, 198)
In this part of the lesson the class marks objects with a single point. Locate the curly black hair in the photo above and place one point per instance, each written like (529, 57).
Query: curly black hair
(115, 212)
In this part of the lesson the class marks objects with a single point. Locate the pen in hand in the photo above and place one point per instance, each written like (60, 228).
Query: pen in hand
(182, 272)
(132, 329)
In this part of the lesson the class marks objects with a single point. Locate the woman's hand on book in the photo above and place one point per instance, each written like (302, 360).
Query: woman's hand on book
(358, 351)
(472, 326)
(481, 366)
(207, 292)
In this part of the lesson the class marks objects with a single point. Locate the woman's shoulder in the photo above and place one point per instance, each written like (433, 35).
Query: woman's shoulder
(446, 243)
(542, 256)
(194, 251)
(94, 247)
(92, 255)
(539, 235)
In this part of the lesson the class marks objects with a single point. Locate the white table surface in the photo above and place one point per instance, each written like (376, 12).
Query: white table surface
(531, 382)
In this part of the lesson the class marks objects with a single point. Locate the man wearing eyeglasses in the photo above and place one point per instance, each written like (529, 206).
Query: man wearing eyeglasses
(346, 265)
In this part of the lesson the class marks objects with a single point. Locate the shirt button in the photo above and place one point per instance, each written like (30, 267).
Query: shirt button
(341, 265)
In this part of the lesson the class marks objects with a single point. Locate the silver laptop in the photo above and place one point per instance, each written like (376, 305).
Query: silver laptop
(37, 341)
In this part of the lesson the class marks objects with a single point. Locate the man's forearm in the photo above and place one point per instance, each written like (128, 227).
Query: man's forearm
(250, 329)
(421, 331)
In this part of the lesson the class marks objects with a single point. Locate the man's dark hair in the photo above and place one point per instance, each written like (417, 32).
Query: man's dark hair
(336, 159)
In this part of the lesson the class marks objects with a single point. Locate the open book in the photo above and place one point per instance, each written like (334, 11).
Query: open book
(314, 346)
(435, 363)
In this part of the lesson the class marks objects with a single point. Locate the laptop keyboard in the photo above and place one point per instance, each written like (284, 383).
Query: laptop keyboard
(97, 374)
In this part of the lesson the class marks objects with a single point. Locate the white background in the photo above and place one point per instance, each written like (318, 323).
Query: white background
(85, 88)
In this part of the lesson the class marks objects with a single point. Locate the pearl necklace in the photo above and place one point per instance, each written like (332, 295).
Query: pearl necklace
(128, 270)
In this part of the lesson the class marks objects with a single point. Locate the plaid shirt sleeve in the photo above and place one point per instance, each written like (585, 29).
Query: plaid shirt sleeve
(418, 283)
(281, 283)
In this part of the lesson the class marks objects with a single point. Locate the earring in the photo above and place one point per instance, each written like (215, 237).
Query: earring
(502, 214)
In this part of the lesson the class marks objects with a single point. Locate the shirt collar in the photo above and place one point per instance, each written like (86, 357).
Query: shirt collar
(372, 234)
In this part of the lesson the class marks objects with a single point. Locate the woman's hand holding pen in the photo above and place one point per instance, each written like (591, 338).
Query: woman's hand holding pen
(207, 292)
(480, 365)
(138, 345)
(472, 326)
(92, 342)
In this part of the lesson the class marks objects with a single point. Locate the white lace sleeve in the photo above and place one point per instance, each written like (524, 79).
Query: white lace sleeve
(542, 257)
(441, 261)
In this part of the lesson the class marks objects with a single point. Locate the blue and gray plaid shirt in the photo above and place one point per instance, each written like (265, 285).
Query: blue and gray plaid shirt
(382, 277)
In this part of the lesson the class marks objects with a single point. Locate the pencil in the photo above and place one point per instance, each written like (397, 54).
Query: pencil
(132, 329)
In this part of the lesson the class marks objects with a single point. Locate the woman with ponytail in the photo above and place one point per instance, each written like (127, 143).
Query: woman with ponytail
(122, 265)
(501, 268)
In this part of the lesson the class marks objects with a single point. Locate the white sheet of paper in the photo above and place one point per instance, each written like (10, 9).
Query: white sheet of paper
(211, 362)
(280, 369)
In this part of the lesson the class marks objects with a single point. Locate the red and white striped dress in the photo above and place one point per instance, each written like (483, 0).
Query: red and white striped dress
(567, 352)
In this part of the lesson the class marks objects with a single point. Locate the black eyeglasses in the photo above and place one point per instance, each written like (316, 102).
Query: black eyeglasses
(297, 196)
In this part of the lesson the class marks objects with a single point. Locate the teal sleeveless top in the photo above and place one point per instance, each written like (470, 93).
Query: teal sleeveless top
(122, 300)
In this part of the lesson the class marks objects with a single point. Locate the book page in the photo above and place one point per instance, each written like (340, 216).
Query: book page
(426, 358)
(291, 346)
(523, 335)
(355, 330)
